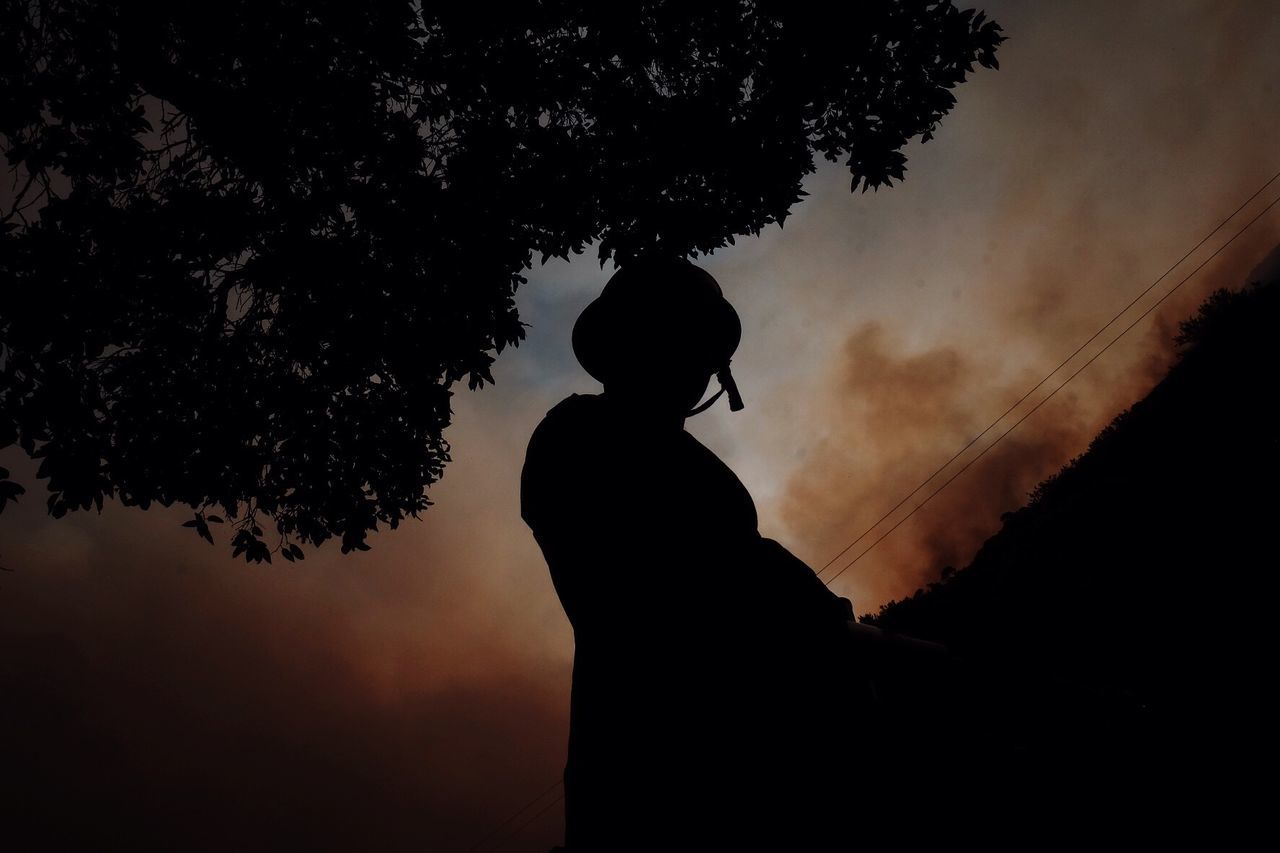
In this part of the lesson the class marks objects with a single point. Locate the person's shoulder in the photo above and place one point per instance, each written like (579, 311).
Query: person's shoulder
(556, 454)
(571, 411)
(575, 406)
(566, 421)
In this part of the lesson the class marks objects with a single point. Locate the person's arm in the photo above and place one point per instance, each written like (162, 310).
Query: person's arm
(887, 651)
(804, 585)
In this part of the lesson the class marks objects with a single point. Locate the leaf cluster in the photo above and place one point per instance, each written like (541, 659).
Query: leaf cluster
(245, 254)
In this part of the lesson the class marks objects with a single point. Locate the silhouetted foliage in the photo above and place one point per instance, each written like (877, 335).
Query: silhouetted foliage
(1138, 580)
(249, 248)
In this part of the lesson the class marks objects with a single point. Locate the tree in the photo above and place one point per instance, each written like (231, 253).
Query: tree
(246, 255)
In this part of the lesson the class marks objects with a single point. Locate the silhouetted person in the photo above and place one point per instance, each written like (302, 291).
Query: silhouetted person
(715, 701)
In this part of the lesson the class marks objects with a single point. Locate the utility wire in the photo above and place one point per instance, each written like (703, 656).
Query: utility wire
(498, 829)
(1046, 378)
(1050, 395)
(537, 815)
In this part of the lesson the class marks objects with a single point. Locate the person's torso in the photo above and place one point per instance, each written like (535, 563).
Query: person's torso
(657, 567)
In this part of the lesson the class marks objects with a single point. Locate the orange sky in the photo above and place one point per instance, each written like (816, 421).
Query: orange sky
(415, 695)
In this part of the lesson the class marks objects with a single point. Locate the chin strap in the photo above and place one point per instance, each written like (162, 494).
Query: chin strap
(725, 378)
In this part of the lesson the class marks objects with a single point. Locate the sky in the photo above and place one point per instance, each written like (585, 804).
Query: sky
(416, 695)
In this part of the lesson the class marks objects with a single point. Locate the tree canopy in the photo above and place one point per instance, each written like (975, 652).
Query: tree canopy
(246, 253)
(1127, 605)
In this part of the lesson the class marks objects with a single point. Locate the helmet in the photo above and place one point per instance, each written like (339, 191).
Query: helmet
(658, 302)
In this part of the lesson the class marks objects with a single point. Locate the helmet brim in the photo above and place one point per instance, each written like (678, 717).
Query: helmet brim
(610, 337)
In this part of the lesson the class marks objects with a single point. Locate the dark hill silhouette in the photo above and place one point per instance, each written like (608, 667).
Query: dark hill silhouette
(1120, 619)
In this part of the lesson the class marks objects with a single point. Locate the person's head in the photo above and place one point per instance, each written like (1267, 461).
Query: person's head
(658, 332)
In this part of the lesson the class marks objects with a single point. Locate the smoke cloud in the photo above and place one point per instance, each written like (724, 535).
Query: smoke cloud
(1096, 198)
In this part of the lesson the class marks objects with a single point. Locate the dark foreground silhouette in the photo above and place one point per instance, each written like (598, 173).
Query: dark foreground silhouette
(1105, 673)
(1144, 569)
(722, 695)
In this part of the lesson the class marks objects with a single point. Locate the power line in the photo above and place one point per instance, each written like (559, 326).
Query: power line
(516, 831)
(497, 829)
(1046, 378)
(1050, 395)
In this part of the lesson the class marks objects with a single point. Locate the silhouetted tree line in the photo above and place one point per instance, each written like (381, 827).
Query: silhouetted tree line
(246, 249)
(1120, 624)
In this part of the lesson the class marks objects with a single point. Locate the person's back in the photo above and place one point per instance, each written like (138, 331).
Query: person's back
(714, 703)
(706, 656)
